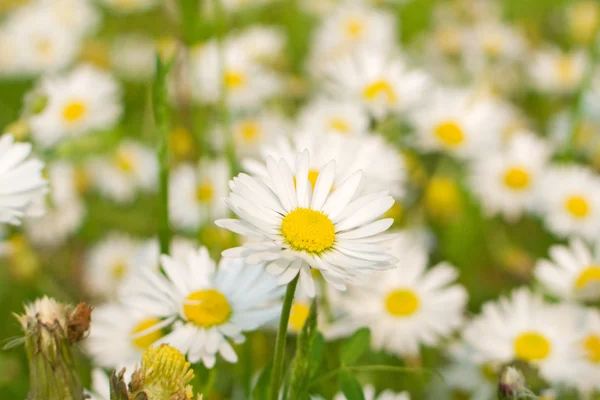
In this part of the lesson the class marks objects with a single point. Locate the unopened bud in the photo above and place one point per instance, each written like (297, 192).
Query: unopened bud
(512, 385)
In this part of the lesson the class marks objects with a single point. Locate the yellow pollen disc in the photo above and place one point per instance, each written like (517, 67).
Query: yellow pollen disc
(450, 134)
(354, 28)
(205, 192)
(442, 197)
(145, 341)
(589, 275)
(402, 303)
(577, 206)
(308, 230)
(531, 346)
(207, 308)
(123, 161)
(82, 180)
(339, 125)
(119, 270)
(565, 70)
(516, 178)
(492, 45)
(592, 348)
(250, 131)
(378, 89)
(298, 315)
(44, 48)
(181, 141)
(74, 111)
(234, 80)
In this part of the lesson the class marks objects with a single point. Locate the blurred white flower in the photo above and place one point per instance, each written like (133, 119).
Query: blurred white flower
(570, 201)
(334, 116)
(588, 380)
(196, 193)
(22, 186)
(369, 394)
(522, 327)
(133, 57)
(85, 100)
(408, 306)
(133, 166)
(78, 17)
(212, 305)
(573, 273)
(261, 44)
(507, 181)
(556, 72)
(491, 42)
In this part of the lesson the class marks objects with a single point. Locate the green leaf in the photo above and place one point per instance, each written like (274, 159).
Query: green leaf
(355, 346)
(301, 366)
(316, 353)
(261, 389)
(350, 386)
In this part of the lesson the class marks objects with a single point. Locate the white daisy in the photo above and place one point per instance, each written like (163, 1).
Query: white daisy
(79, 17)
(196, 193)
(408, 306)
(588, 380)
(556, 72)
(132, 166)
(73, 109)
(570, 201)
(352, 25)
(573, 273)
(130, 6)
(332, 116)
(370, 394)
(109, 263)
(212, 305)
(382, 166)
(507, 181)
(522, 327)
(491, 41)
(298, 226)
(458, 122)
(65, 211)
(246, 82)
(119, 335)
(262, 44)
(21, 181)
(133, 57)
(380, 82)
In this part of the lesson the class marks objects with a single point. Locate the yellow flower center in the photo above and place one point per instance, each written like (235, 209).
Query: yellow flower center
(308, 230)
(123, 161)
(354, 28)
(250, 131)
(146, 340)
(181, 141)
(492, 44)
(207, 308)
(378, 89)
(298, 315)
(44, 48)
(588, 276)
(592, 348)
(205, 192)
(517, 178)
(402, 303)
(234, 80)
(118, 270)
(442, 197)
(74, 111)
(450, 134)
(577, 206)
(531, 346)
(565, 70)
(338, 124)
(163, 374)
(82, 180)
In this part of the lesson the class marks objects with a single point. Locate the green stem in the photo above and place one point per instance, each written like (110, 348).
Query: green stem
(189, 19)
(281, 338)
(161, 118)
(210, 381)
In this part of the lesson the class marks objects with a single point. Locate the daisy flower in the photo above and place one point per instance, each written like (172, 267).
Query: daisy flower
(132, 166)
(297, 226)
(408, 306)
(573, 273)
(556, 72)
(458, 122)
(65, 211)
(370, 394)
(382, 166)
(133, 57)
(352, 25)
(73, 109)
(493, 41)
(21, 181)
(332, 116)
(570, 204)
(119, 335)
(262, 44)
(211, 305)
(79, 17)
(522, 327)
(246, 82)
(129, 6)
(507, 181)
(109, 263)
(588, 381)
(196, 193)
(380, 82)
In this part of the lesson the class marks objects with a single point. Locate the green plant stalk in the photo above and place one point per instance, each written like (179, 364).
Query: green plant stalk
(301, 364)
(279, 357)
(190, 12)
(161, 118)
(225, 118)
